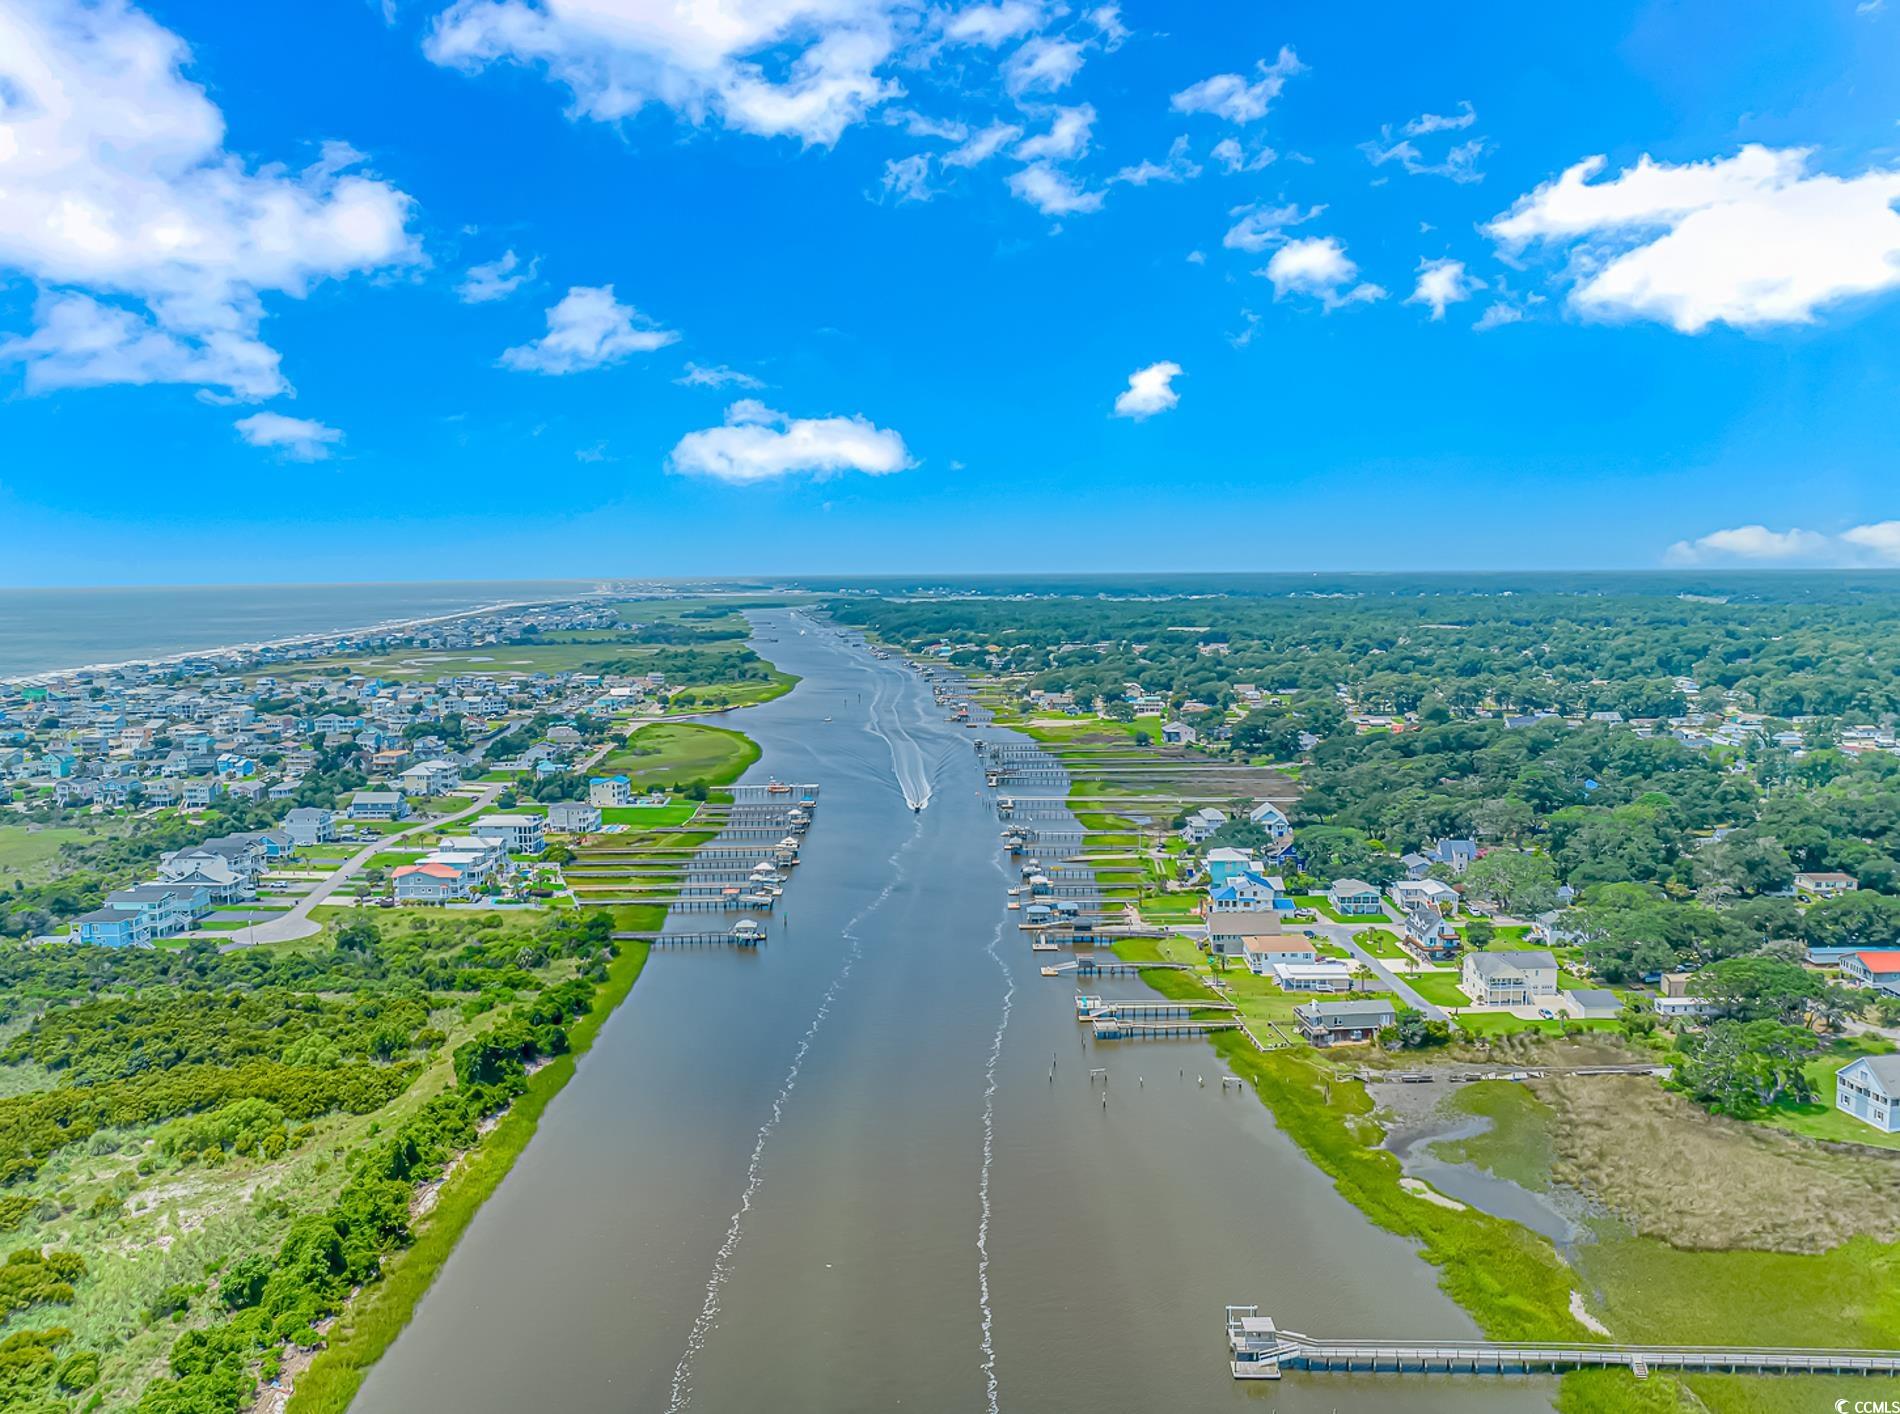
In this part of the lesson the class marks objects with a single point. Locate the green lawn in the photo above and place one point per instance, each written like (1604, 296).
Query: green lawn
(1818, 1119)
(1440, 988)
(1381, 943)
(1322, 906)
(679, 753)
(647, 816)
(25, 852)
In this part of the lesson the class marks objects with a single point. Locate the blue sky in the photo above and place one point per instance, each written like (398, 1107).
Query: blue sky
(325, 289)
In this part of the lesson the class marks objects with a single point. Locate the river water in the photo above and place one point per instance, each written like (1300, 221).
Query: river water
(835, 1174)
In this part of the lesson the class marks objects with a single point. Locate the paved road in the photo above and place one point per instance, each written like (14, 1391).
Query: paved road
(1342, 935)
(296, 922)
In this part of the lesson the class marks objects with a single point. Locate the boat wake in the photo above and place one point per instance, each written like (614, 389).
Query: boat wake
(983, 1181)
(708, 1318)
(908, 763)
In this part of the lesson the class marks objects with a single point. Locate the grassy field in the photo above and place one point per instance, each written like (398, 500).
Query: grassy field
(1818, 1119)
(679, 753)
(1438, 987)
(27, 854)
(647, 817)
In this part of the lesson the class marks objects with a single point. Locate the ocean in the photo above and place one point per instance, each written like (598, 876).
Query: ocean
(42, 630)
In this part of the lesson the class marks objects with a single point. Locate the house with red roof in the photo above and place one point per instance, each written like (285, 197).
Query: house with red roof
(432, 881)
(1874, 969)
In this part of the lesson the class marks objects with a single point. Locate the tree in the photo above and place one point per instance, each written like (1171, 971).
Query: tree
(1413, 1032)
(1523, 885)
(1750, 988)
(1479, 932)
(1738, 1067)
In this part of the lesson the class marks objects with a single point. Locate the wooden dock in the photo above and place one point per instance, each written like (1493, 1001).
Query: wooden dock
(1110, 967)
(1116, 1028)
(1259, 1350)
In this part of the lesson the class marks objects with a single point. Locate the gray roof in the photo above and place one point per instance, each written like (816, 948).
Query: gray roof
(1886, 1069)
(1489, 964)
(1329, 1011)
(1596, 997)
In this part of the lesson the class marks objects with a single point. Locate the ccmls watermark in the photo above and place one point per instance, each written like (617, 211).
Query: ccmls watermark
(1867, 1406)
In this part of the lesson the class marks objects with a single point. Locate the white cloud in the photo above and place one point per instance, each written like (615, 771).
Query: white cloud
(1318, 266)
(759, 444)
(1178, 167)
(1251, 327)
(589, 328)
(717, 376)
(1427, 123)
(983, 145)
(1232, 97)
(1497, 315)
(296, 438)
(1750, 240)
(1749, 542)
(1235, 158)
(1262, 226)
(150, 242)
(1442, 283)
(923, 125)
(1107, 20)
(994, 25)
(806, 69)
(908, 178)
(1150, 390)
(495, 280)
(1881, 539)
(1067, 137)
(1042, 65)
(1052, 192)
(1460, 163)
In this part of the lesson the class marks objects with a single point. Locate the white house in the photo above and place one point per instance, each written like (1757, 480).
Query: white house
(1331, 975)
(378, 805)
(308, 825)
(1202, 823)
(1354, 896)
(1247, 893)
(1424, 893)
(519, 834)
(1179, 733)
(1272, 819)
(1508, 978)
(609, 790)
(573, 818)
(1249, 934)
(431, 778)
(1869, 1090)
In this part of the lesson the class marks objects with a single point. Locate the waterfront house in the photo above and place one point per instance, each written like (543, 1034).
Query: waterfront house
(1319, 975)
(431, 881)
(113, 928)
(519, 834)
(575, 818)
(1869, 1090)
(609, 791)
(1249, 893)
(1201, 824)
(1224, 865)
(1178, 733)
(1880, 970)
(1258, 939)
(1428, 936)
(1508, 978)
(1331, 1023)
(1825, 884)
(1354, 897)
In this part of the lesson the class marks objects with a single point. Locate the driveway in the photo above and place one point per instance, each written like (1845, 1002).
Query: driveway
(296, 922)
(1340, 934)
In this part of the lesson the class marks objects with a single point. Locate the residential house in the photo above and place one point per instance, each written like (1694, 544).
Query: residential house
(308, 825)
(1226, 864)
(1354, 897)
(1869, 1090)
(431, 880)
(1409, 894)
(573, 818)
(1331, 1023)
(1591, 1003)
(430, 778)
(1249, 893)
(1826, 884)
(1683, 1008)
(609, 790)
(1320, 975)
(1455, 854)
(378, 805)
(1880, 970)
(1508, 978)
(113, 928)
(1179, 733)
(519, 834)
(1272, 819)
(1201, 824)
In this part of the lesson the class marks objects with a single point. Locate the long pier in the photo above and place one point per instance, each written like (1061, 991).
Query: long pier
(1259, 1350)
(1109, 967)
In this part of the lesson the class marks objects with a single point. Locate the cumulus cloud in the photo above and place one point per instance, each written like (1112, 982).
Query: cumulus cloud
(1755, 543)
(1150, 390)
(758, 444)
(1043, 65)
(1067, 137)
(1460, 160)
(1751, 240)
(1881, 539)
(1442, 283)
(982, 145)
(1318, 266)
(1497, 315)
(589, 328)
(1234, 97)
(717, 376)
(994, 25)
(495, 280)
(1427, 123)
(298, 439)
(150, 242)
(806, 69)
(1053, 192)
